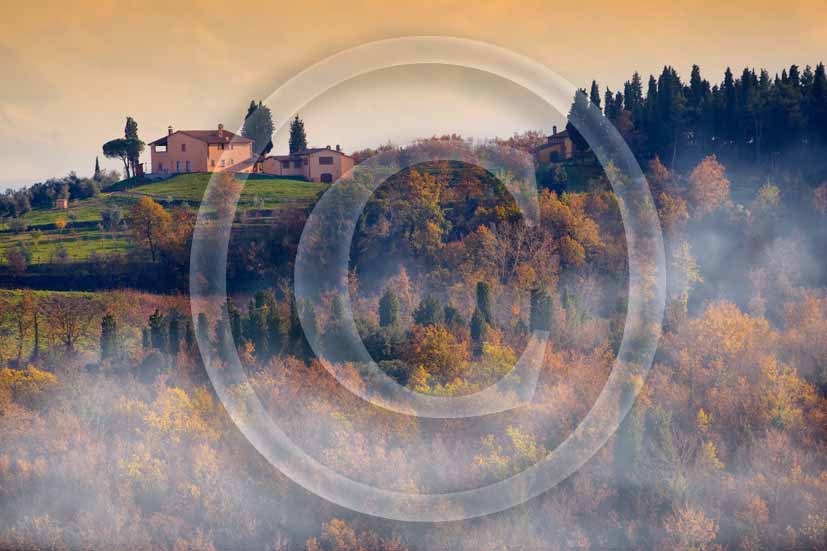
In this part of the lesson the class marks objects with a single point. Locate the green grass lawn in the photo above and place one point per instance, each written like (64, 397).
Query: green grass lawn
(270, 191)
(79, 246)
(82, 242)
(86, 210)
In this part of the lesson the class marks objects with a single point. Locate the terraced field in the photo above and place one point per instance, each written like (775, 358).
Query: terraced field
(82, 236)
(270, 192)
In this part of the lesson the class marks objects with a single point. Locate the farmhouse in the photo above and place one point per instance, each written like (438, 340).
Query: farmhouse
(201, 151)
(221, 150)
(558, 147)
(318, 164)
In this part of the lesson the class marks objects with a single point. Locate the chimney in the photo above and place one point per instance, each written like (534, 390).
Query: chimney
(220, 130)
(339, 149)
(328, 146)
(553, 130)
(169, 130)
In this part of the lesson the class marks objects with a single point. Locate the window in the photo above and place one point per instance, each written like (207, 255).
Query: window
(285, 164)
(327, 178)
(325, 160)
(297, 164)
(160, 167)
(222, 163)
(188, 166)
(177, 166)
(183, 147)
(212, 163)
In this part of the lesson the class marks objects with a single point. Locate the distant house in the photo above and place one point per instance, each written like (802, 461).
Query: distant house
(318, 164)
(201, 151)
(62, 203)
(558, 147)
(220, 150)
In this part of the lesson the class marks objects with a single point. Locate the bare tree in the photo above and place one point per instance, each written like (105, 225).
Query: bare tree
(69, 318)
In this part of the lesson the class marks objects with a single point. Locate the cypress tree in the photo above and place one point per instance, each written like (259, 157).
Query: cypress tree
(146, 338)
(235, 321)
(189, 335)
(157, 331)
(479, 330)
(388, 309)
(109, 337)
(484, 301)
(298, 137)
(429, 312)
(540, 313)
(258, 126)
(203, 325)
(594, 94)
(174, 333)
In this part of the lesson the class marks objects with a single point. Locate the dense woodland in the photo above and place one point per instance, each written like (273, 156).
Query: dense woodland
(111, 435)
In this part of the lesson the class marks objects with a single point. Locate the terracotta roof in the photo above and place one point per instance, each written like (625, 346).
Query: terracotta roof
(306, 152)
(207, 136)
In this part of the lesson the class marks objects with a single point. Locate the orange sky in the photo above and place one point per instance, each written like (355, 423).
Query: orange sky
(73, 70)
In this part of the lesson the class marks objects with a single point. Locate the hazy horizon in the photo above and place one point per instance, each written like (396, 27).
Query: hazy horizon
(73, 77)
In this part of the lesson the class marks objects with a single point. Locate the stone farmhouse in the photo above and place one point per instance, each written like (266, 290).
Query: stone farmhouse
(558, 147)
(220, 150)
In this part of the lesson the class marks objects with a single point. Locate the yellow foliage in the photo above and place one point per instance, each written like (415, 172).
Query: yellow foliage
(29, 386)
(703, 421)
(785, 393)
(143, 468)
(522, 452)
(709, 457)
(497, 361)
(690, 529)
(175, 414)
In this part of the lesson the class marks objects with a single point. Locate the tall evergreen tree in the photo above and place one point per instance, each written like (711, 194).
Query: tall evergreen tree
(109, 337)
(158, 331)
(97, 175)
(594, 94)
(135, 145)
(388, 308)
(484, 301)
(174, 333)
(479, 330)
(298, 137)
(429, 312)
(258, 126)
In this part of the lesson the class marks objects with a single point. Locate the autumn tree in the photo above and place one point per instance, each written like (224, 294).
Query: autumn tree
(708, 186)
(150, 223)
(436, 350)
(820, 199)
(69, 318)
